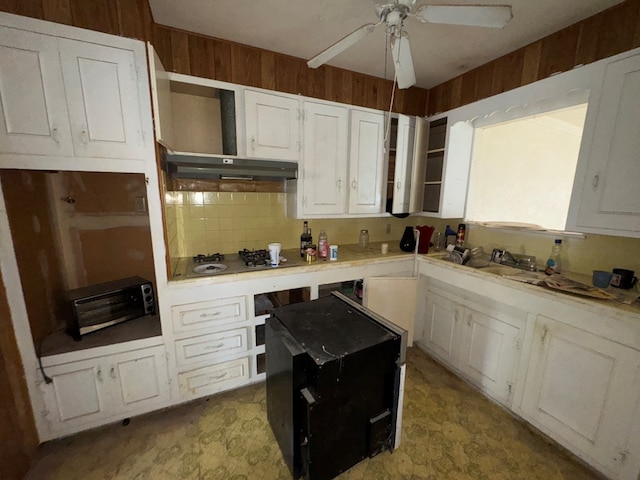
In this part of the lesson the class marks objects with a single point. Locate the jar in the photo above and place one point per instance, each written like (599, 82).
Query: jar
(364, 238)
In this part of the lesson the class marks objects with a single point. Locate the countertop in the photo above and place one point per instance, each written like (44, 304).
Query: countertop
(625, 300)
(351, 255)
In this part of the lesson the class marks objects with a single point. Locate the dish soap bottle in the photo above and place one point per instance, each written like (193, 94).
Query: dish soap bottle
(323, 245)
(553, 263)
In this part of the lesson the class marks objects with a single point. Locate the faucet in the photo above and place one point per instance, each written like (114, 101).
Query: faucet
(523, 262)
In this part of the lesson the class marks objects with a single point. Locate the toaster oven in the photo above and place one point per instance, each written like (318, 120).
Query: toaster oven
(99, 306)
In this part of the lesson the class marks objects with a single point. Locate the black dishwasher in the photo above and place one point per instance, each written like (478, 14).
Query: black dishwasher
(335, 376)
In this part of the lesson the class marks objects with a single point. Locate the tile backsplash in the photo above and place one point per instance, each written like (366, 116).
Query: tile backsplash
(208, 222)
(225, 222)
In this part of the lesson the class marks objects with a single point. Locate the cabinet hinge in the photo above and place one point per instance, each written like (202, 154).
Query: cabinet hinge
(304, 201)
(299, 146)
(518, 344)
(509, 388)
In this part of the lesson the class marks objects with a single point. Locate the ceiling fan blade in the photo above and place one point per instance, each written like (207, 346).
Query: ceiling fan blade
(495, 16)
(341, 45)
(402, 61)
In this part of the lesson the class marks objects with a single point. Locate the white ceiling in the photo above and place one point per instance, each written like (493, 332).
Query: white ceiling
(303, 28)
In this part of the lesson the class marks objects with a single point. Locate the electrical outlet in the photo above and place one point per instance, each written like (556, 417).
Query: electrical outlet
(141, 204)
(388, 228)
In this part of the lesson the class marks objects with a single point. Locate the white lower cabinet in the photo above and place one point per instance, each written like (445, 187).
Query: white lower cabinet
(582, 390)
(490, 352)
(214, 378)
(214, 347)
(484, 346)
(91, 392)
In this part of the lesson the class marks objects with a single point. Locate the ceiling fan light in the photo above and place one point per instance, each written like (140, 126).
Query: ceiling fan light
(402, 61)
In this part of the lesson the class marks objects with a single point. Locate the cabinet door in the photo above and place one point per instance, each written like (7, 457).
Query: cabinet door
(441, 328)
(140, 379)
(102, 96)
(325, 158)
(161, 96)
(77, 397)
(366, 162)
(490, 353)
(32, 97)
(410, 164)
(581, 389)
(273, 130)
(610, 199)
(393, 298)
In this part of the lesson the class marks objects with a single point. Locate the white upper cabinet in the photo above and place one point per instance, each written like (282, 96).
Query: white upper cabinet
(102, 98)
(366, 162)
(72, 99)
(32, 99)
(325, 155)
(605, 198)
(272, 125)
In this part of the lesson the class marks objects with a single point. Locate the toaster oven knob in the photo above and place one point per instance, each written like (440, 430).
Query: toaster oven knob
(148, 298)
(146, 290)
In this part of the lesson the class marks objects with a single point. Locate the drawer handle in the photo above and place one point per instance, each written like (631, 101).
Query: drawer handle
(354, 184)
(205, 315)
(113, 372)
(214, 347)
(596, 180)
(218, 377)
(99, 375)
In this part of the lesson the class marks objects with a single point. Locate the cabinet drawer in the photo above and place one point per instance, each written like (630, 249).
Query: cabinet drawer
(215, 345)
(209, 314)
(215, 378)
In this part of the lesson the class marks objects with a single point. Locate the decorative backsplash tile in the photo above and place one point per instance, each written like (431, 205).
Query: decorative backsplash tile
(225, 222)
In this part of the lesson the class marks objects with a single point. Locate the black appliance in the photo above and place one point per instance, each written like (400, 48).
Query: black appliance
(335, 377)
(99, 306)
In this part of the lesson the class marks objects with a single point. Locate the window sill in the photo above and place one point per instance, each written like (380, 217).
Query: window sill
(527, 229)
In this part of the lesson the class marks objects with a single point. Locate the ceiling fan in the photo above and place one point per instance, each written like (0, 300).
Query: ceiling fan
(393, 15)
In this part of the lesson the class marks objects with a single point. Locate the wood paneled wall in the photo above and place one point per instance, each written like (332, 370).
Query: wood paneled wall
(610, 32)
(18, 435)
(193, 54)
(605, 34)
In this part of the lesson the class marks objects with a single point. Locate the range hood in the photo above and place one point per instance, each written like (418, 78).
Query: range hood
(213, 167)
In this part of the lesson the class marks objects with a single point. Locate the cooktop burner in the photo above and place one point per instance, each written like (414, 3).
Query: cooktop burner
(254, 258)
(208, 258)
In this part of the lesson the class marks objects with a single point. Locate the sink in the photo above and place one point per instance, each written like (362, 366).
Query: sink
(499, 270)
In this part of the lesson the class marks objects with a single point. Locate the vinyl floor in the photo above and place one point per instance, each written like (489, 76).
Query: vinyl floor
(450, 431)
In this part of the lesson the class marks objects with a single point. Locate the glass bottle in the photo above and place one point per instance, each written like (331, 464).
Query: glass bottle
(364, 238)
(305, 238)
(553, 264)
